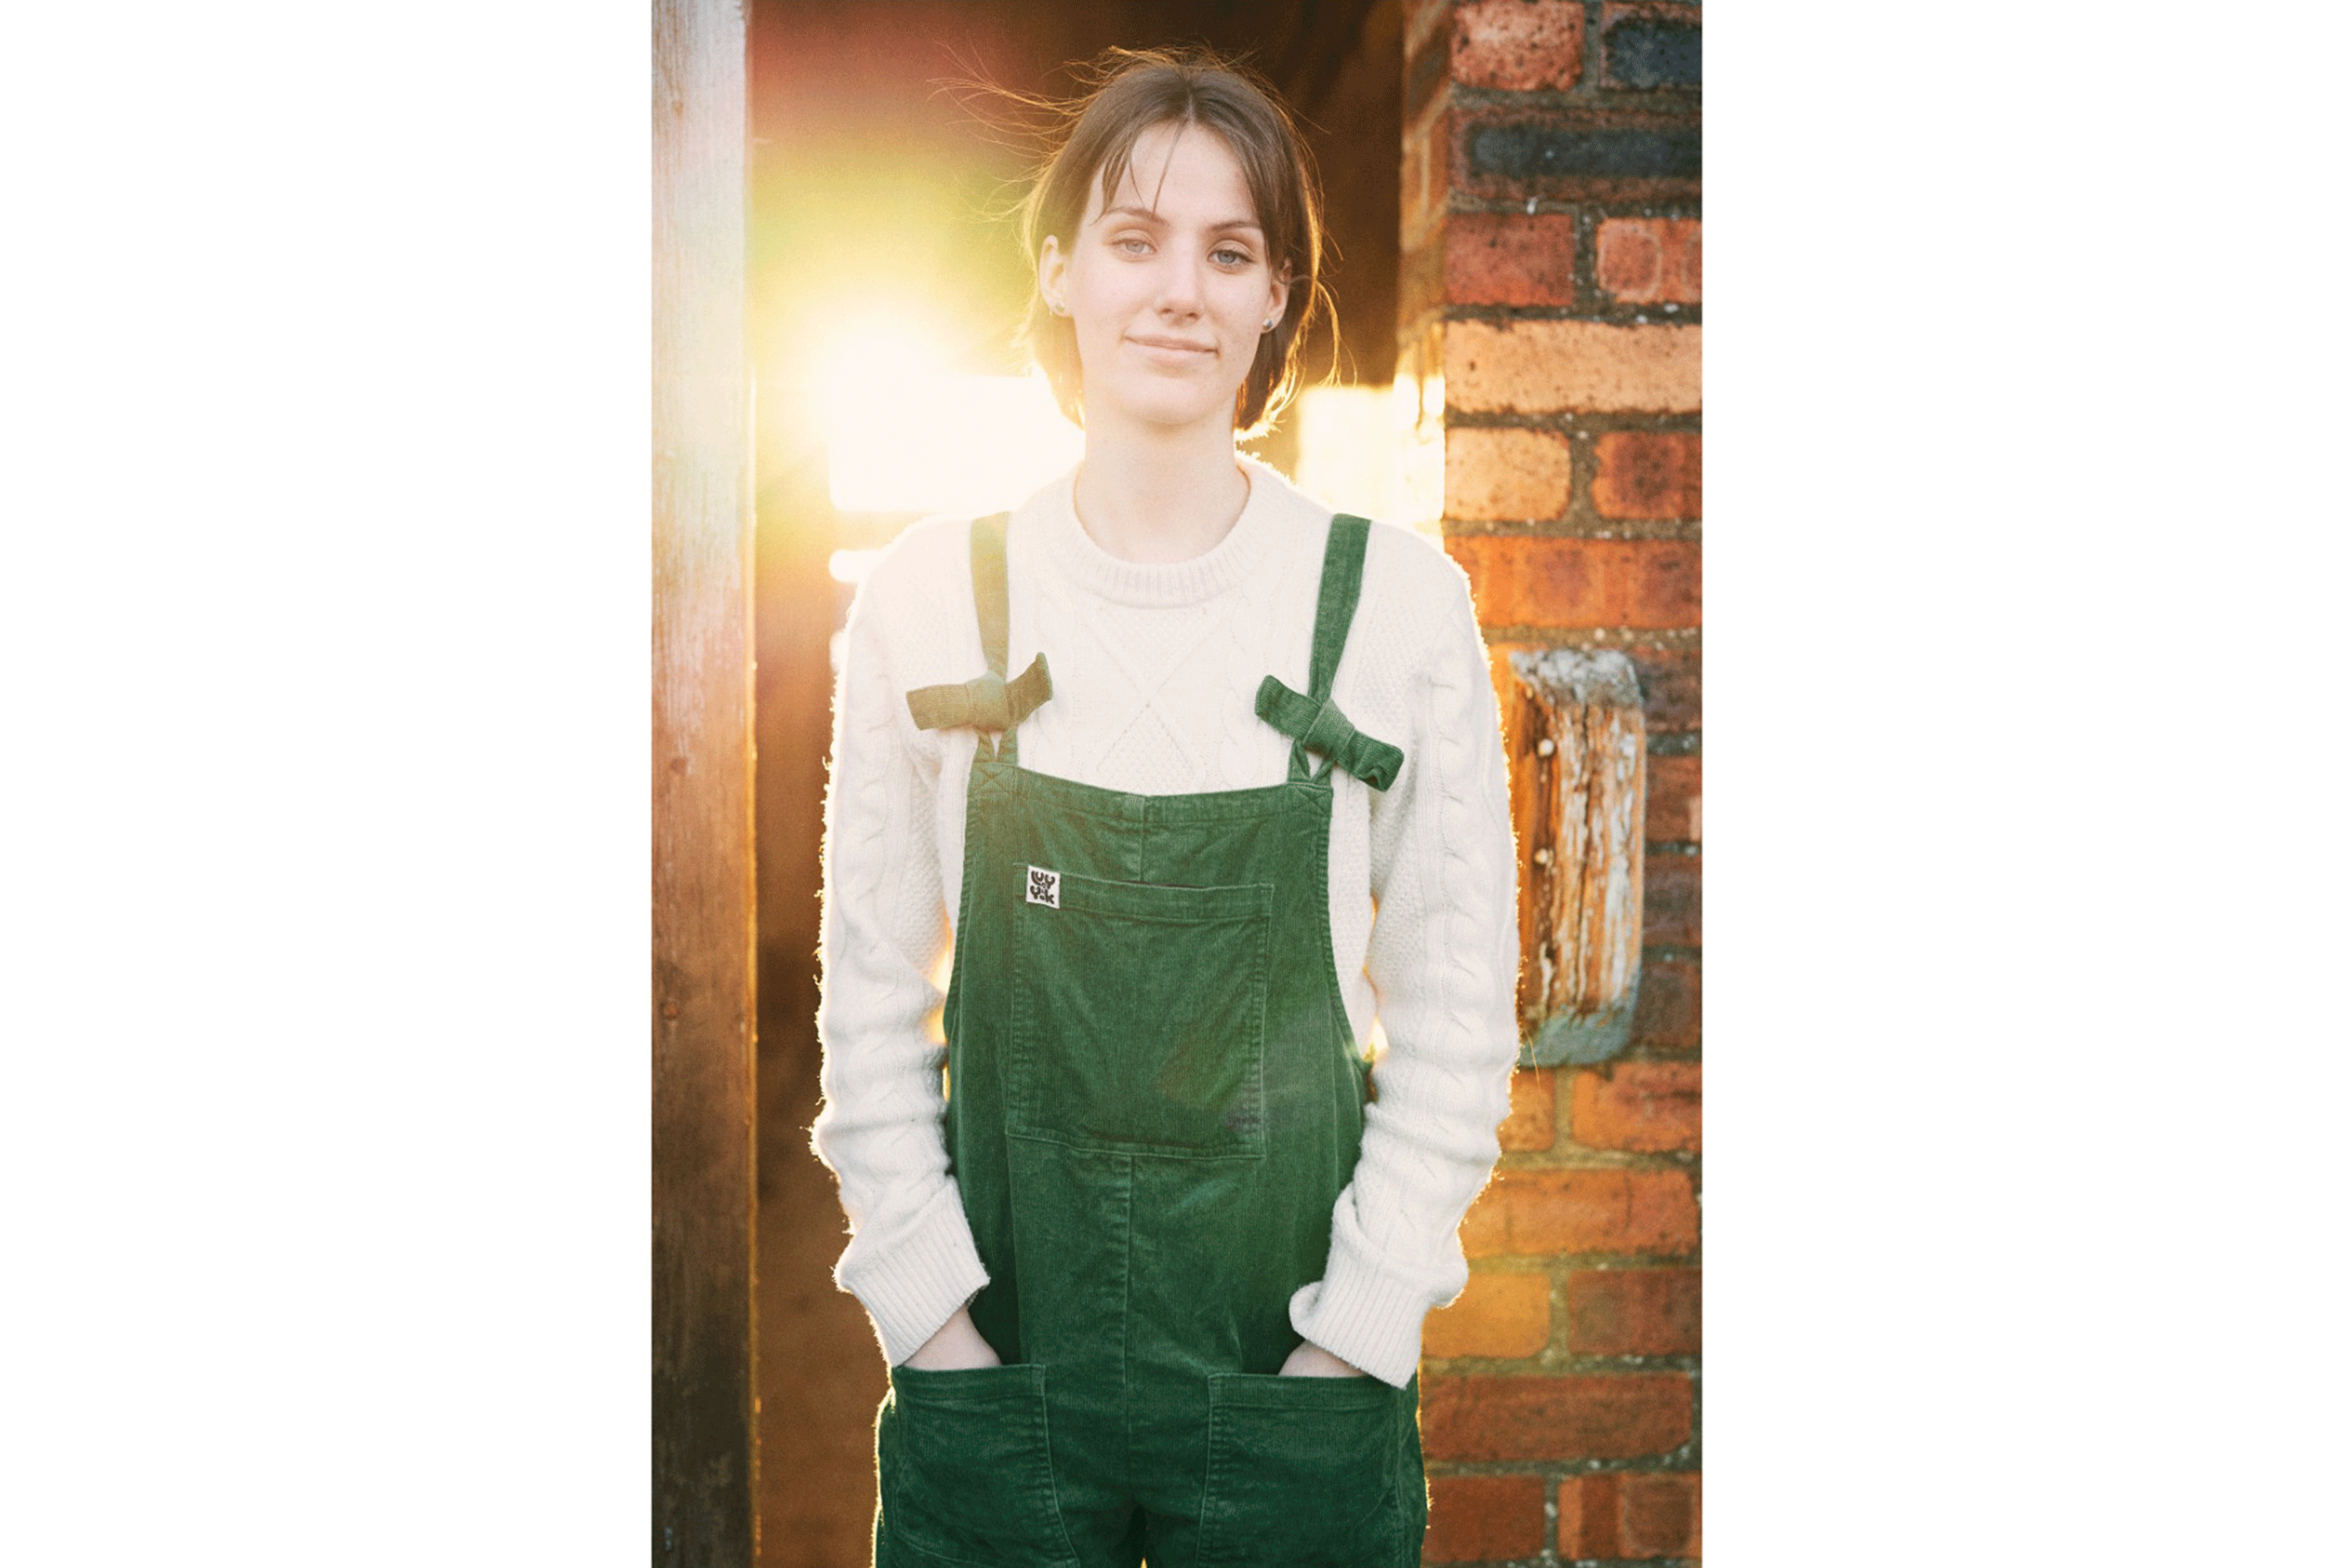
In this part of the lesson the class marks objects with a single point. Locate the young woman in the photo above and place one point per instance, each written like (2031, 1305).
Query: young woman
(1201, 786)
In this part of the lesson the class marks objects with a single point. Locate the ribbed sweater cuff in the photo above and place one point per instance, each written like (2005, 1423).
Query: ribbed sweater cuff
(920, 1280)
(1366, 1318)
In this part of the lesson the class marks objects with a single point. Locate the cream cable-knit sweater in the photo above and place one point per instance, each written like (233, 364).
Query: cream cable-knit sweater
(1155, 672)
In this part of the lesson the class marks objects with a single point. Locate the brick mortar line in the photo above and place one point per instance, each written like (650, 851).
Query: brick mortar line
(1597, 315)
(1584, 258)
(1644, 193)
(1647, 1051)
(1666, 107)
(1654, 1053)
(1570, 422)
(1675, 1463)
(1553, 1559)
(1505, 315)
(1549, 1363)
(1570, 1155)
(1682, 530)
(1566, 1155)
(1557, 1318)
(1548, 1559)
(1644, 1465)
(1681, 1460)
(1458, 200)
(1675, 638)
(1514, 1264)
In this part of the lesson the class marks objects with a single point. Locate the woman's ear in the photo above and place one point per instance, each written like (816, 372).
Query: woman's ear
(1278, 296)
(1051, 269)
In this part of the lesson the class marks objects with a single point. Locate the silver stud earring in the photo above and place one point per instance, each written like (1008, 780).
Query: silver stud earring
(1266, 325)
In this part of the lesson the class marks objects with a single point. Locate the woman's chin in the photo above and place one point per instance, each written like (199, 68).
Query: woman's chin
(1163, 416)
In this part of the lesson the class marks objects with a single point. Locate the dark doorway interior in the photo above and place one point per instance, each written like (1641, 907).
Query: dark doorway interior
(870, 176)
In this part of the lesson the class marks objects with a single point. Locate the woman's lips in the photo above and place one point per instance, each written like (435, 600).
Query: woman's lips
(1173, 351)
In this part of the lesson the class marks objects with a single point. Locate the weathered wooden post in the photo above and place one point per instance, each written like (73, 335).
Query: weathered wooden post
(1577, 744)
(704, 1455)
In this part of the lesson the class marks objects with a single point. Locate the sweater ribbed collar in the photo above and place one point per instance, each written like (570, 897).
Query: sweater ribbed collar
(1273, 509)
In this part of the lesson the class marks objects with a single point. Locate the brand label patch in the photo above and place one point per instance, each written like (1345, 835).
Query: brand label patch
(1045, 886)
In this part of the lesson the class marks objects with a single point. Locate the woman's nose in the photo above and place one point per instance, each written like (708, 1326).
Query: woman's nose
(1180, 288)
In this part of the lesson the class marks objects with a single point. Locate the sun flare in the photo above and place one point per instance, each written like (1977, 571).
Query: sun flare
(905, 434)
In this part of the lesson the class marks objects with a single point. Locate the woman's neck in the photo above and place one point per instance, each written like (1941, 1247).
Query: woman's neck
(1155, 501)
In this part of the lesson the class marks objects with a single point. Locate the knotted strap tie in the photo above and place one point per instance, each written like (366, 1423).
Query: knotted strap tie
(1321, 727)
(984, 702)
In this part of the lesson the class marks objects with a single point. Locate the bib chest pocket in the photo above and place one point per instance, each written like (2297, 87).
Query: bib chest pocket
(1138, 1016)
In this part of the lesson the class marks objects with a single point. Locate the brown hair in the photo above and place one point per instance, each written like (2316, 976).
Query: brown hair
(1134, 90)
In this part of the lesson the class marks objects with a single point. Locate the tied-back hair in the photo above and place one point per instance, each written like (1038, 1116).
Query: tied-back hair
(1130, 91)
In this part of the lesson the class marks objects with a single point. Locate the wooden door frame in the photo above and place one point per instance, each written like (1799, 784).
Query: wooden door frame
(705, 1459)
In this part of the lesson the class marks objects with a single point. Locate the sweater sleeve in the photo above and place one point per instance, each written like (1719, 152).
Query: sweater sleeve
(1443, 964)
(910, 1260)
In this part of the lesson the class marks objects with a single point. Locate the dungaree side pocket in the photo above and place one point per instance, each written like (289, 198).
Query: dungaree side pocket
(1139, 1019)
(1302, 1472)
(966, 1471)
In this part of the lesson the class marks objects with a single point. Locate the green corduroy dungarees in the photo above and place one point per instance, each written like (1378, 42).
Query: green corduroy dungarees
(1154, 1100)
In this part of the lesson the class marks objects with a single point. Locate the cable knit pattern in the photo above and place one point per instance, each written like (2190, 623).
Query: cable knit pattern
(1156, 669)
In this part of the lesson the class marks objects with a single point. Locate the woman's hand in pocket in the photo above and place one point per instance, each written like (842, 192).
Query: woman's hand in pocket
(957, 1347)
(1314, 1361)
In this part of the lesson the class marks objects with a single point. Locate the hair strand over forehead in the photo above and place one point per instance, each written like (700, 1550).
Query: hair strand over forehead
(1135, 91)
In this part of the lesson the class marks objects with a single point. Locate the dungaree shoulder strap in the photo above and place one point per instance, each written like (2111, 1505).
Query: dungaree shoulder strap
(1314, 721)
(987, 702)
(990, 599)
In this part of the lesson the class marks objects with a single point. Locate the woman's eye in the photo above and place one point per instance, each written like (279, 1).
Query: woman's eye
(1229, 257)
(1129, 245)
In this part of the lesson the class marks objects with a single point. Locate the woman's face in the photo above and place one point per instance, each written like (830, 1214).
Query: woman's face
(1168, 286)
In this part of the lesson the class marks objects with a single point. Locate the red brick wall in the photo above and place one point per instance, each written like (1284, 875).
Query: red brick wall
(1550, 279)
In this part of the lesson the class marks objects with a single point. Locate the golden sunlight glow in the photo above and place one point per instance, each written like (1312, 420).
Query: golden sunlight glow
(906, 435)
(1348, 455)
(1418, 423)
(903, 433)
(851, 566)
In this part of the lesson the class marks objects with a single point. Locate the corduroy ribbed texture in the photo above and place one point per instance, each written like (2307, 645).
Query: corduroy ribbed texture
(1155, 674)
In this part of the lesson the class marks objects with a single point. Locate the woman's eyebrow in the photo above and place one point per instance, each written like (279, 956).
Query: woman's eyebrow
(1222, 227)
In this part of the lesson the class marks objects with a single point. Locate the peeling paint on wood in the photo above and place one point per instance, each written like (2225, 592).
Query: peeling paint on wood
(1578, 752)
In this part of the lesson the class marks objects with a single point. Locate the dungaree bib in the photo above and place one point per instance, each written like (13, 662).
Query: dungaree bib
(1154, 1098)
